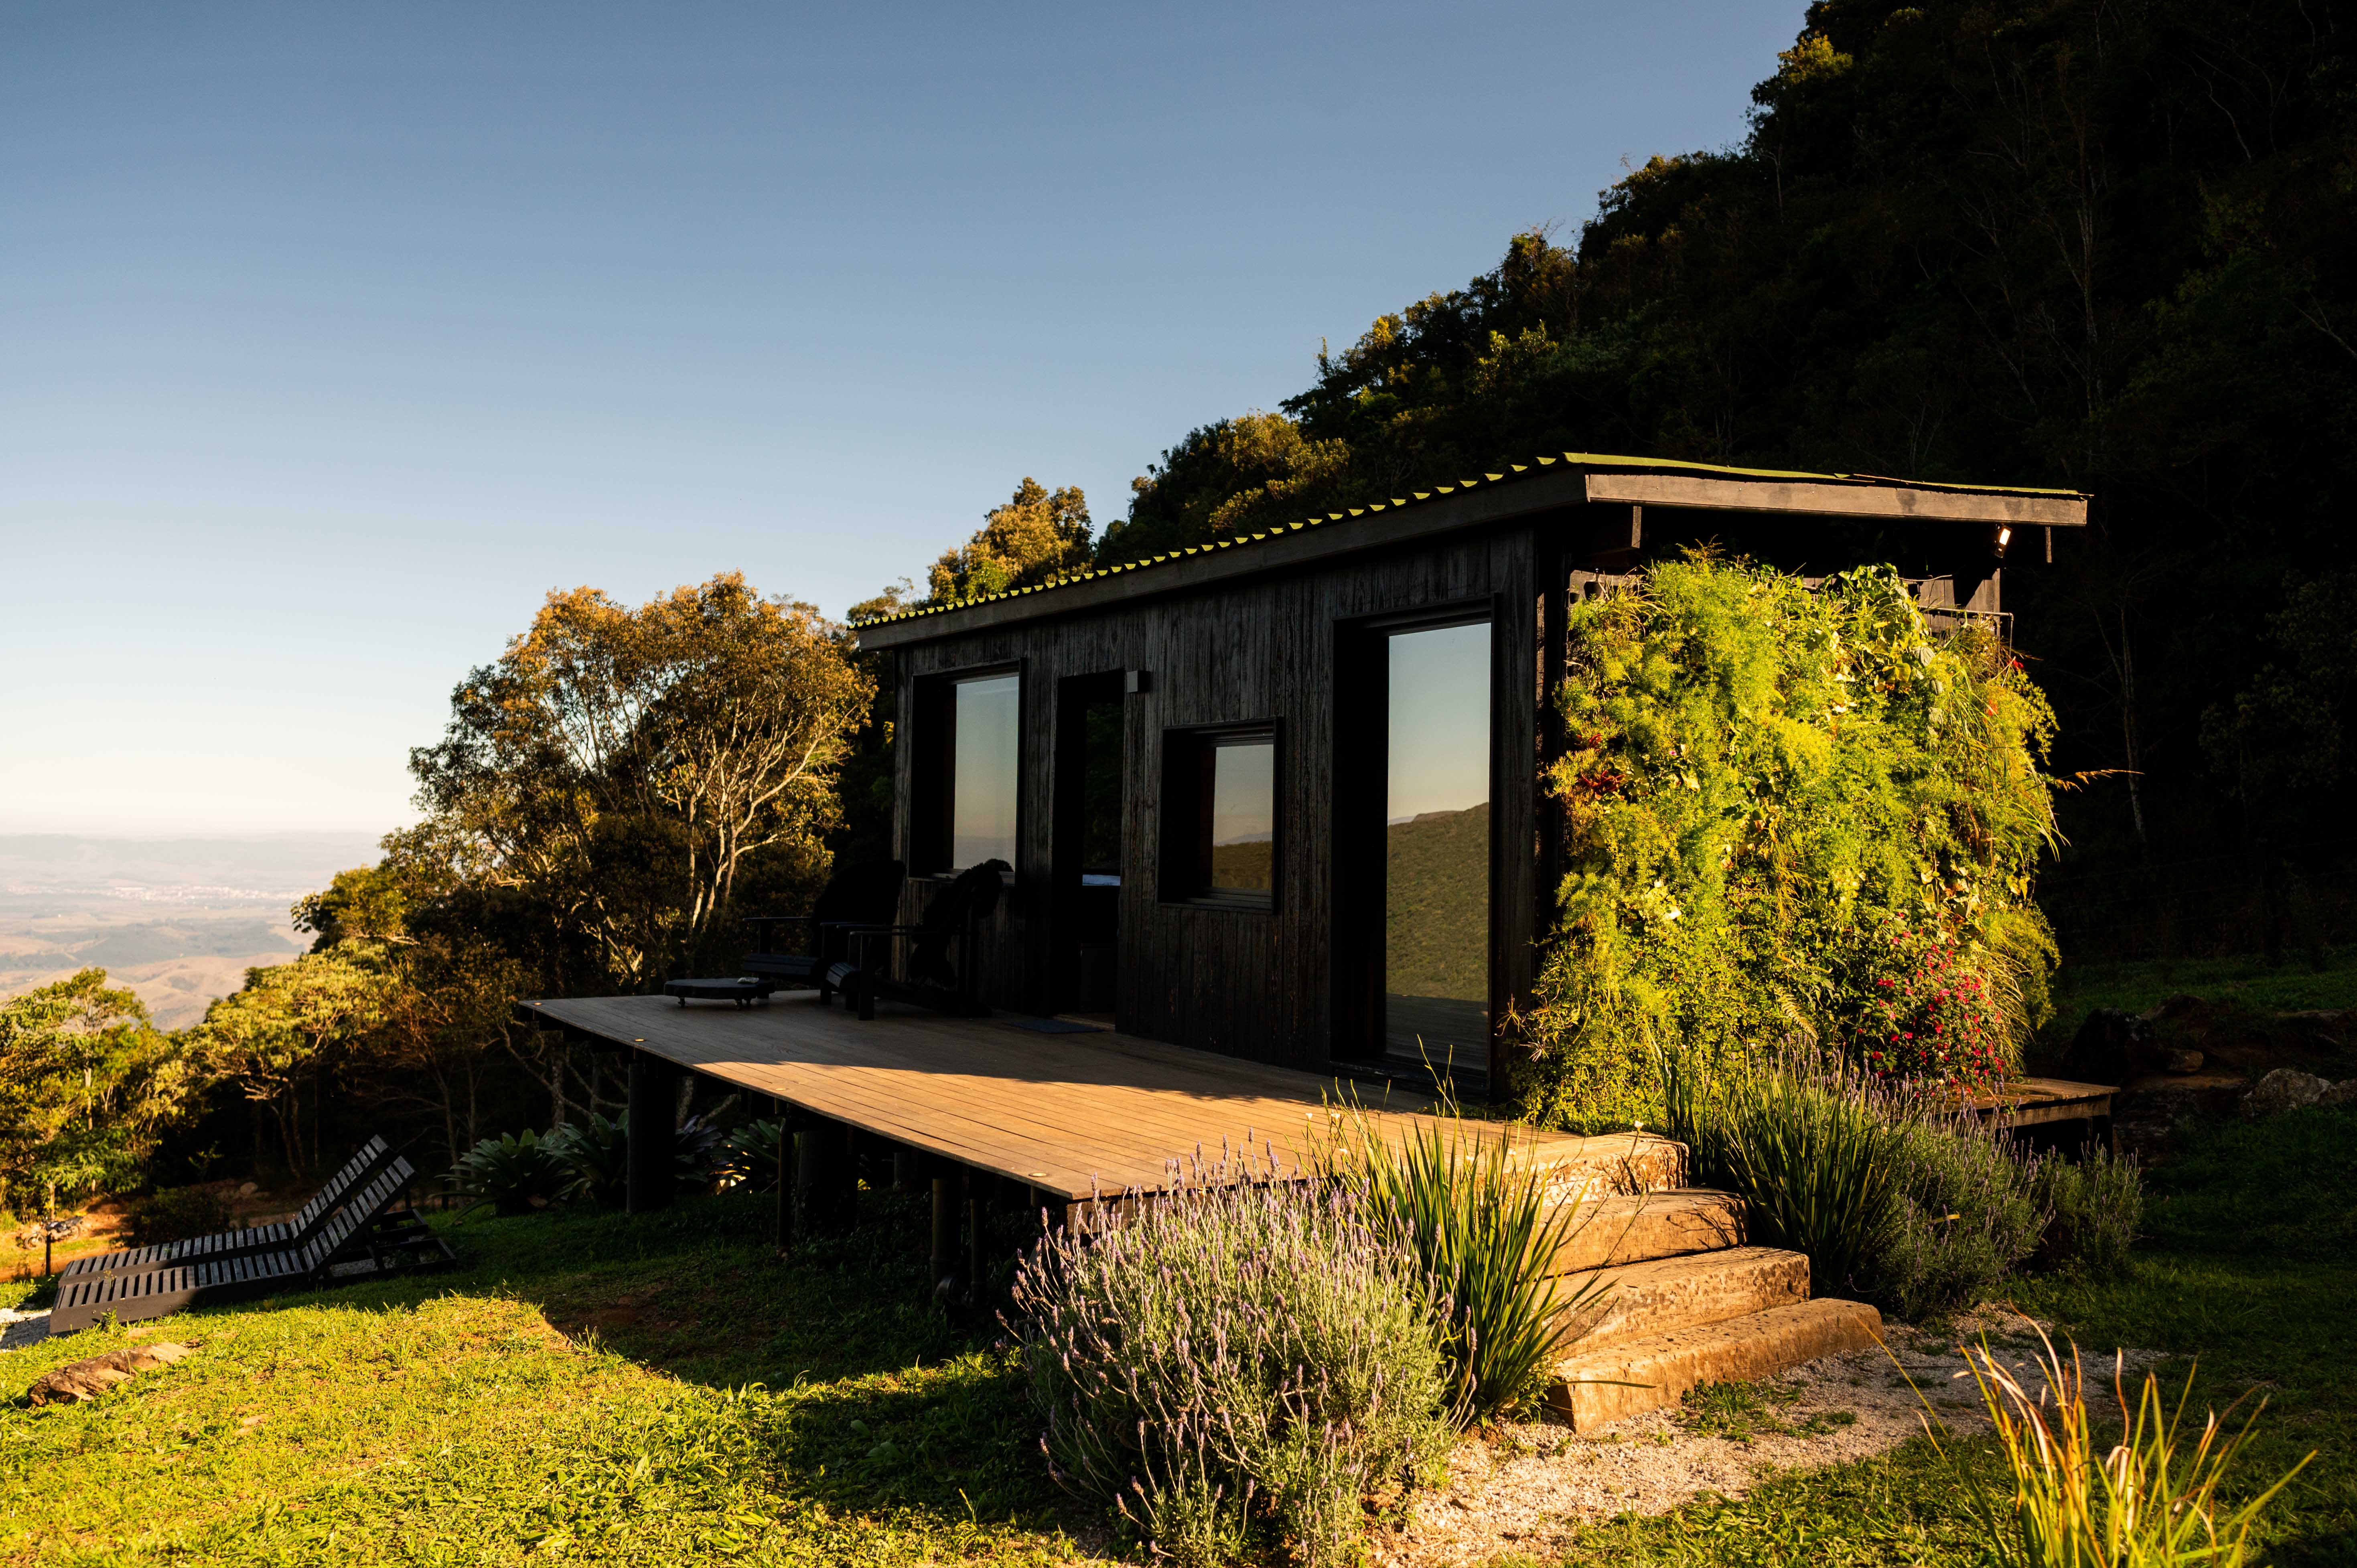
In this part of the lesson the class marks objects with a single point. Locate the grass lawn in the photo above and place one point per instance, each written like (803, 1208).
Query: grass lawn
(583, 1388)
(590, 1388)
(2243, 980)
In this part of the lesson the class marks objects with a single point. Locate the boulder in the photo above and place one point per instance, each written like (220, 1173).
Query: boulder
(2113, 1047)
(2183, 1062)
(82, 1380)
(2285, 1089)
(2341, 1093)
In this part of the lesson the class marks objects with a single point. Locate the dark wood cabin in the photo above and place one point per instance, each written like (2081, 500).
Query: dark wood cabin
(1278, 797)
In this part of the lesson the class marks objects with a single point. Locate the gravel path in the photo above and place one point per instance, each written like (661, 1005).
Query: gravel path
(1526, 1488)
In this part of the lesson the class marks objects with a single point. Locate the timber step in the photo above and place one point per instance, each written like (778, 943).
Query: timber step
(1666, 1223)
(1595, 1387)
(1664, 1295)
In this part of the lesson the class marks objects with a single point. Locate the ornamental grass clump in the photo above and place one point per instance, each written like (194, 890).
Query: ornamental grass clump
(2081, 1499)
(1247, 1361)
(1814, 1150)
(1478, 1219)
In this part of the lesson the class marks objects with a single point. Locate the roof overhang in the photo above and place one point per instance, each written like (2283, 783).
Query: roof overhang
(1547, 485)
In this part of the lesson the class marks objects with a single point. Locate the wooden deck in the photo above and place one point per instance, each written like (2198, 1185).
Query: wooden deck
(2026, 1101)
(1074, 1114)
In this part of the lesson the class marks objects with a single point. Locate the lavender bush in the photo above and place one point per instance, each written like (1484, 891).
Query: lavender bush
(1243, 1358)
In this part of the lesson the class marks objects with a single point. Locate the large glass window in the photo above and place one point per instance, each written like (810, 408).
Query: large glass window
(1243, 815)
(1219, 817)
(987, 731)
(1436, 845)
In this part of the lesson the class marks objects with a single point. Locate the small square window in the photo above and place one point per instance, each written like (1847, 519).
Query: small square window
(1219, 817)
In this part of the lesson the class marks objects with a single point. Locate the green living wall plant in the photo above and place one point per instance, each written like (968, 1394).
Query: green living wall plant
(1792, 816)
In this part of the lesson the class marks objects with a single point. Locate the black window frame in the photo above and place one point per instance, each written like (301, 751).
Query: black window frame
(1182, 869)
(932, 838)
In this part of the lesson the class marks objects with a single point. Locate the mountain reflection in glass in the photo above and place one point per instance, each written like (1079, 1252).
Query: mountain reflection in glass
(1437, 847)
(982, 787)
(1243, 817)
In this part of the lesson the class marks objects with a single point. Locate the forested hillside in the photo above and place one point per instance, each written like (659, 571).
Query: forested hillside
(2079, 242)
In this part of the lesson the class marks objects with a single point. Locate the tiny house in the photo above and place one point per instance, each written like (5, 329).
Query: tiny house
(1279, 796)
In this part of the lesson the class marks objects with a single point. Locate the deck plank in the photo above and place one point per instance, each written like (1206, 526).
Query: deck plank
(1073, 1114)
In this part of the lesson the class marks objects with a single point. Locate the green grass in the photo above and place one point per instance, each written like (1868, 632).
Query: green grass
(2248, 1277)
(586, 1388)
(2245, 980)
(591, 1388)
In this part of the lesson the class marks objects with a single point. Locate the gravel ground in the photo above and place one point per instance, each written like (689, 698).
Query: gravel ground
(1525, 1488)
(18, 1330)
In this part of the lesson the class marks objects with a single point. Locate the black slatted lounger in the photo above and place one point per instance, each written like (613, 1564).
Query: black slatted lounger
(224, 1244)
(366, 1238)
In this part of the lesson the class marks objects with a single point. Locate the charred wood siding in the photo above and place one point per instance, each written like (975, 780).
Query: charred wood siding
(1251, 983)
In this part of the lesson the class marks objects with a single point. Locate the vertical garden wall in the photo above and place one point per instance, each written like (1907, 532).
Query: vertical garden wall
(1793, 817)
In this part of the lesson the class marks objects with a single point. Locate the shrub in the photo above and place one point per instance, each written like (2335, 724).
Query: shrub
(1807, 1146)
(596, 1155)
(514, 1173)
(2097, 1203)
(179, 1214)
(1933, 1020)
(749, 1156)
(1759, 778)
(1968, 1215)
(1243, 1359)
(1484, 1237)
(2133, 1499)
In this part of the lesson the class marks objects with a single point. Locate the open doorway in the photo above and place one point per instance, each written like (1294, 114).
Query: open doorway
(1089, 808)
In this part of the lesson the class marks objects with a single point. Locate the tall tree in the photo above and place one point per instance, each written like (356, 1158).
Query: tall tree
(85, 1083)
(620, 767)
(1036, 536)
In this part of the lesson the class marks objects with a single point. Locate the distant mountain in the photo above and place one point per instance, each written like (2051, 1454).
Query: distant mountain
(1436, 905)
(179, 920)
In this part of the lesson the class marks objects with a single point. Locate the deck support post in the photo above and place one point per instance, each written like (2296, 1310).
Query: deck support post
(653, 1125)
(826, 1181)
(945, 1230)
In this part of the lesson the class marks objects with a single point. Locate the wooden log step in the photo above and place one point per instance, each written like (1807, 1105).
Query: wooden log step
(1597, 1387)
(1634, 1227)
(1665, 1294)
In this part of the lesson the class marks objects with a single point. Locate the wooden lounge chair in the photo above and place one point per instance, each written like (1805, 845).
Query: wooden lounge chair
(929, 976)
(368, 1238)
(274, 1237)
(856, 897)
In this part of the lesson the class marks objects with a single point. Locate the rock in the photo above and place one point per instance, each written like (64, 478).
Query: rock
(2182, 1062)
(2341, 1093)
(2285, 1089)
(2112, 1046)
(87, 1379)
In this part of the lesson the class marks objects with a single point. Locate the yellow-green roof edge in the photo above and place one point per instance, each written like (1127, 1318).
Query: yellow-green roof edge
(1575, 460)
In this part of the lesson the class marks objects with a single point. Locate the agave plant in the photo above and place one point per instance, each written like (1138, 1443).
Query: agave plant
(514, 1173)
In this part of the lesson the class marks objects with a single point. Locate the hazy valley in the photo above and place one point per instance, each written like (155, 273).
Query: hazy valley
(178, 920)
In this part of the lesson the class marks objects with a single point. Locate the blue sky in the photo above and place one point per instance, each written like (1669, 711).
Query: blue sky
(332, 337)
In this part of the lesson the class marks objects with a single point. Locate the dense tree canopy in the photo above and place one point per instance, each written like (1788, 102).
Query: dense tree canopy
(2083, 242)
